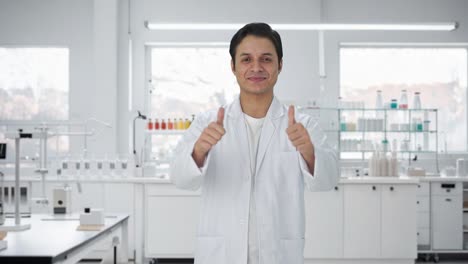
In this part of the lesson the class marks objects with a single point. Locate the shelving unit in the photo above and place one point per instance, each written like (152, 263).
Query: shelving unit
(359, 130)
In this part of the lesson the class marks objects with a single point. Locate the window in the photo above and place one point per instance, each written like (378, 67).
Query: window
(34, 83)
(187, 80)
(34, 87)
(439, 74)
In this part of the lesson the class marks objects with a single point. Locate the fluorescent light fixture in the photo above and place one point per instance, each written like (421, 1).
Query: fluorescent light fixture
(403, 27)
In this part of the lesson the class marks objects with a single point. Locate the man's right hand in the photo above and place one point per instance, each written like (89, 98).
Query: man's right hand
(208, 138)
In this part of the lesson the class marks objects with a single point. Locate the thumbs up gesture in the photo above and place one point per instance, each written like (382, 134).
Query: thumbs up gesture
(208, 138)
(300, 139)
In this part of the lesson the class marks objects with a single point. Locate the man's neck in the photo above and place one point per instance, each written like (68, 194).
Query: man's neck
(255, 105)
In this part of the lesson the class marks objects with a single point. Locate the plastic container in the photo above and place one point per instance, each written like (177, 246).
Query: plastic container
(393, 104)
(403, 100)
(417, 101)
(379, 100)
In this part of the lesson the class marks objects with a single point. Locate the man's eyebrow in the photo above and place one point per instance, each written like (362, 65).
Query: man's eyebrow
(263, 54)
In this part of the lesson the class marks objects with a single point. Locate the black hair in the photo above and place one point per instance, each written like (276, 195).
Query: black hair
(259, 30)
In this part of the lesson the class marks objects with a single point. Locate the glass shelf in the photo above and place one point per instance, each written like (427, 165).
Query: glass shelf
(165, 132)
(388, 109)
(381, 131)
(367, 109)
(400, 151)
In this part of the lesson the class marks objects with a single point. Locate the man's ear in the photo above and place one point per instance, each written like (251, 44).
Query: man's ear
(280, 66)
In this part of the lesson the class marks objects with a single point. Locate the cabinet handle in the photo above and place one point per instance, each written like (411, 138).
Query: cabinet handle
(336, 188)
(373, 188)
(448, 200)
(391, 188)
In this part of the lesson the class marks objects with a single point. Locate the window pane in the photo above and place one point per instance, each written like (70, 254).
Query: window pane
(190, 80)
(187, 81)
(439, 74)
(34, 86)
(34, 83)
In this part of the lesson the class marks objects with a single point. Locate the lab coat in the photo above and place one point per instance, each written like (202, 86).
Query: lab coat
(225, 180)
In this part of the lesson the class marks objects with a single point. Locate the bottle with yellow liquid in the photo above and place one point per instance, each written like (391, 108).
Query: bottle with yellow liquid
(180, 124)
(187, 123)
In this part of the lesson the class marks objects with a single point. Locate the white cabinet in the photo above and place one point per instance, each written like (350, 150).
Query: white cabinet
(171, 221)
(423, 214)
(361, 221)
(324, 218)
(399, 221)
(447, 216)
(380, 221)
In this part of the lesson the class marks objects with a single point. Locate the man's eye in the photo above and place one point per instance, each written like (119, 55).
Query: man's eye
(267, 59)
(245, 59)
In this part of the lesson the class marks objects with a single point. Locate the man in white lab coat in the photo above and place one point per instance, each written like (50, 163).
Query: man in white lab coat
(252, 159)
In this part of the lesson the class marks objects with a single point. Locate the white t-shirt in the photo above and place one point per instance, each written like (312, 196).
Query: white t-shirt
(254, 130)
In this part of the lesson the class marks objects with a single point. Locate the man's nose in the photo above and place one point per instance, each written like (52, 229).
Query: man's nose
(257, 66)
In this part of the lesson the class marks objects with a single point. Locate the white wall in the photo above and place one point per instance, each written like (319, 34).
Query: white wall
(107, 52)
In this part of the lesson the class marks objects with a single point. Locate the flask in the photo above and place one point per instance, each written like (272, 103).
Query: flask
(404, 100)
(187, 123)
(417, 101)
(163, 124)
(378, 100)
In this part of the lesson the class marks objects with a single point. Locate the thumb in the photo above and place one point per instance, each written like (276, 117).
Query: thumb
(220, 119)
(291, 119)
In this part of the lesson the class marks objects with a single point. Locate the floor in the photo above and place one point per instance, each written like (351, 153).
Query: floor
(187, 262)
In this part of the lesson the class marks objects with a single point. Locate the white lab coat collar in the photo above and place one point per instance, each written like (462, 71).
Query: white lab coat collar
(275, 110)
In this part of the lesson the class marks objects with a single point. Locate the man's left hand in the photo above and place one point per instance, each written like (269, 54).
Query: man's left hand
(300, 139)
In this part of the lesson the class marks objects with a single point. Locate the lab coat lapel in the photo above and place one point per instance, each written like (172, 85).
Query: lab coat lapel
(240, 137)
(268, 130)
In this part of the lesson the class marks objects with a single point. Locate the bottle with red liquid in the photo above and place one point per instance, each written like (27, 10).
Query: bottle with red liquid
(163, 125)
(150, 124)
(156, 124)
(170, 125)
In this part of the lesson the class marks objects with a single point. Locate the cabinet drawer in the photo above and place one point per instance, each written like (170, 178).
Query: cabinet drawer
(423, 236)
(446, 188)
(422, 203)
(423, 188)
(423, 219)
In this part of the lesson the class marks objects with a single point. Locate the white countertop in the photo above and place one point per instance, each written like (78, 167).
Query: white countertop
(164, 180)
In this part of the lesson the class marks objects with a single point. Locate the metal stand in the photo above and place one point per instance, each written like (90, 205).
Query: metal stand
(18, 226)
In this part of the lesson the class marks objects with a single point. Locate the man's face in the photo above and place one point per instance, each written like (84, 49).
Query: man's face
(257, 66)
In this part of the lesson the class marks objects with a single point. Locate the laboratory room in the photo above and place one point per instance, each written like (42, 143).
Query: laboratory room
(233, 132)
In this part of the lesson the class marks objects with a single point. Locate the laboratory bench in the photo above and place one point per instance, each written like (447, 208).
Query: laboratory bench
(55, 239)
(363, 219)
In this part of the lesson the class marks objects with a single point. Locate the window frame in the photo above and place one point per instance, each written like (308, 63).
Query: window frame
(36, 123)
(396, 45)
